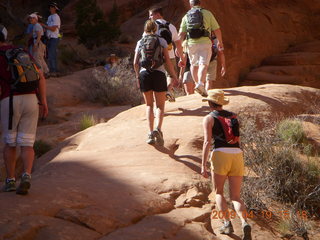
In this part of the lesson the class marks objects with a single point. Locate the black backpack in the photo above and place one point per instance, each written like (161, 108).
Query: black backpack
(195, 25)
(164, 31)
(150, 50)
(24, 74)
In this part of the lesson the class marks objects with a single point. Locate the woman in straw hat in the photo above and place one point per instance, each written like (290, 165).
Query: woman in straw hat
(226, 160)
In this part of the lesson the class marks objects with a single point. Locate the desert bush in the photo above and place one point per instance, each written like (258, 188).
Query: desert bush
(41, 147)
(277, 172)
(117, 88)
(87, 121)
(291, 131)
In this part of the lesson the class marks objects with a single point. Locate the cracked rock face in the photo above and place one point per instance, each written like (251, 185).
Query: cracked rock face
(107, 183)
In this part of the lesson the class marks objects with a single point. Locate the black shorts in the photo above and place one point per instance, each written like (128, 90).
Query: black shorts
(155, 81)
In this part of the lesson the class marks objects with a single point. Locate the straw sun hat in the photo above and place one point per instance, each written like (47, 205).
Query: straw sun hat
(216, 96)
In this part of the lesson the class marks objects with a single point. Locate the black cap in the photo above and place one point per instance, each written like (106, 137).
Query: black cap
(54, 4)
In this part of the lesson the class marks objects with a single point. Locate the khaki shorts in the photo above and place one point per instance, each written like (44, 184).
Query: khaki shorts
(199, 54)
(175, 67)
(227, 164)
(24, 121)
(212, 71)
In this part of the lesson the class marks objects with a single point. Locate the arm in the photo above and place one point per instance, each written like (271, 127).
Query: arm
(136, 67)
(207, 131)
(51, 28)
(169, 64)
(222, 59)
(182, 36)
(38, 39)
(43, 96)
(179, 49)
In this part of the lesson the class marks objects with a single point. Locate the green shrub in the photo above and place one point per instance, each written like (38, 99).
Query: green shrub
(291, 131)
(87, 121)
(41, 147)
(117, 88)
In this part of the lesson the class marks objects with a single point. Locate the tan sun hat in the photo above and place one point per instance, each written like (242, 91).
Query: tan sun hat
(216, 96)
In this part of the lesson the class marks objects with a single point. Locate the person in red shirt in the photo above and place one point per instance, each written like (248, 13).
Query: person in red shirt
(24, 122)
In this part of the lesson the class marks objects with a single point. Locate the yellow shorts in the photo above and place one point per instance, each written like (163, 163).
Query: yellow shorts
(227, 164)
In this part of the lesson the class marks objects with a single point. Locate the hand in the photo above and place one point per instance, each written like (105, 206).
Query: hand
(175, 82)
(204, 172)
(182, 63)
(44, 110)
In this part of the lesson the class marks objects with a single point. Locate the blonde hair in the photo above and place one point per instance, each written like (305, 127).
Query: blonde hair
(150, 26)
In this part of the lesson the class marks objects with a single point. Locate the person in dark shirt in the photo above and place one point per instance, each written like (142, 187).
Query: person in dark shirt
(226, 160)
(24, 121)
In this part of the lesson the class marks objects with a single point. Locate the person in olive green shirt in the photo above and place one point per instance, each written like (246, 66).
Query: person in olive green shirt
(199, 49)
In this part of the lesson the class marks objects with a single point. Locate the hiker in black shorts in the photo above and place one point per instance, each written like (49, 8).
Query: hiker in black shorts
(221, 128)
(150, 55)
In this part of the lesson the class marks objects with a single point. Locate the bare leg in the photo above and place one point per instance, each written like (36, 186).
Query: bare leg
(27, 155)
(194, 73)
(160, 98)
(209, 85)
(202, 73)
(221, 202)
(9, 156)
(148, 98)
(189, 87)
(235, 187)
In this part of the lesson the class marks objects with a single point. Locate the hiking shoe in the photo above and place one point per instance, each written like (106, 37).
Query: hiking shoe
(24, 184)
(246, 231)
(170, 97)
(201, 90)
(10, 185)
(159, 137)
(227, 228)
(150, 139)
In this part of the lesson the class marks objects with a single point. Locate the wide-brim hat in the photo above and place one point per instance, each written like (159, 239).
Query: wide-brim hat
(55, 5)
(216, 96)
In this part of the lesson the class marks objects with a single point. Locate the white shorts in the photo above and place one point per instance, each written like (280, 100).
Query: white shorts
(199, 54)
(24, 120)
(212, 71)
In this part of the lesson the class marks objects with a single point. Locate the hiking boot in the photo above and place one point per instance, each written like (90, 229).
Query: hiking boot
(159, 137)
(227, 228)
(24, 184)
(150, 139)
(170, 97)
(246, 231)
(201, 90)
(10, 185)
